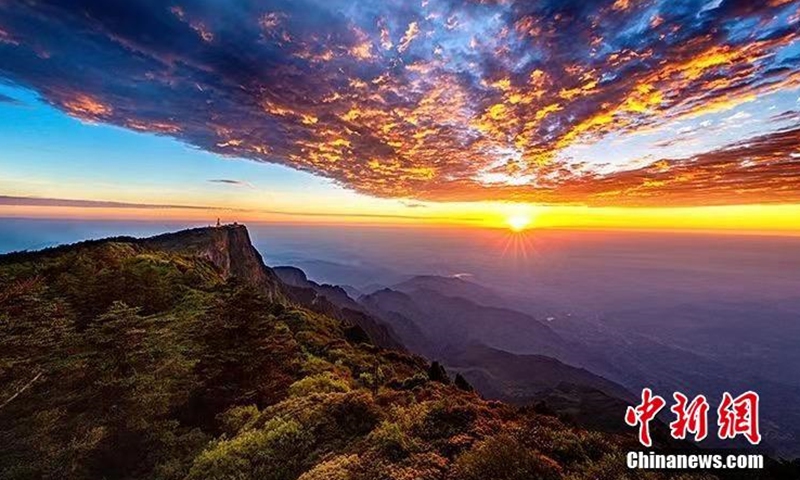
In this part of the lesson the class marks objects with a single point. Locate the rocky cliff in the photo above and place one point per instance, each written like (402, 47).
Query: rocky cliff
(228, 247)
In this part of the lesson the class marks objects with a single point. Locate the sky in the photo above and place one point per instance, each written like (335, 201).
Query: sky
(617, 113)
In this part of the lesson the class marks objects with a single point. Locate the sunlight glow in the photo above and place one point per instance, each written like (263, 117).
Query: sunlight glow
(517, 219)
(518, 222)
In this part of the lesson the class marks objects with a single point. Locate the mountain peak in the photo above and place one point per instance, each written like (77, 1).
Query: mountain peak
(228, 247)
(452, 286)
(293, 276)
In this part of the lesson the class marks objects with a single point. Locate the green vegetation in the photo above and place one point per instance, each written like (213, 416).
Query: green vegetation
(120, 360)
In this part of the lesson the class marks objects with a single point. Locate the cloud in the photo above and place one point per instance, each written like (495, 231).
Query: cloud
(8, 100)
(61, 202)
(758, 170)
(413, 204)
(15, 201)
(235, 183)
(434, 100)
(788, 115)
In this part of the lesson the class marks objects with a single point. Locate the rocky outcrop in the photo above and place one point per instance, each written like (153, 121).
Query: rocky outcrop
(292, 276)
(228, 248)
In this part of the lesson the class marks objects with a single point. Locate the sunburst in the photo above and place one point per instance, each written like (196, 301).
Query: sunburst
(518, 222)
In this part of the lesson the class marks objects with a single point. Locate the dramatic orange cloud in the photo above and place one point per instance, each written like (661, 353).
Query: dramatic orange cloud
(443, 100)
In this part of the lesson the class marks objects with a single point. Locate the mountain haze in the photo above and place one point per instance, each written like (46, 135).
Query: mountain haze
(457, 321)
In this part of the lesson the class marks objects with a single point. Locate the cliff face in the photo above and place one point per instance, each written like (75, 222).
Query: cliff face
(229, 248)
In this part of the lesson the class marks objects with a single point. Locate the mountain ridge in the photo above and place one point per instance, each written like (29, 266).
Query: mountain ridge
(569, 390)
(334, 301)
(228, 247)
(452, 286)
(457, 320)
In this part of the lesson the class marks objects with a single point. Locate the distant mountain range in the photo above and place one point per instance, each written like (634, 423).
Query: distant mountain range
(448, 321)
(431, 316)
(427, 323)
(334, 302)
(501, 351)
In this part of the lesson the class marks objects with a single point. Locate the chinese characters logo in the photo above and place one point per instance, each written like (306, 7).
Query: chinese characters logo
(735, 416)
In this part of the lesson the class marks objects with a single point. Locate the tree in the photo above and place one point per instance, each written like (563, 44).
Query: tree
(135, 376)
(437, 373)
(463, 384)
(246, 355)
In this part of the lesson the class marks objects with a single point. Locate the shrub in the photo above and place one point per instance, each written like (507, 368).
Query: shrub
(237, 418)
(320, 383)
(421, 466)
(611, 467)
(274, 452)
(338, 468)
(344, 416)
(315, 365)
(410, 383)
(391, 440)
(570, 448)
(503, 457)
(446, 419)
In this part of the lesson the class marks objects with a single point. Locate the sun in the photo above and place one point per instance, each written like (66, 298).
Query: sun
(518, 222)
